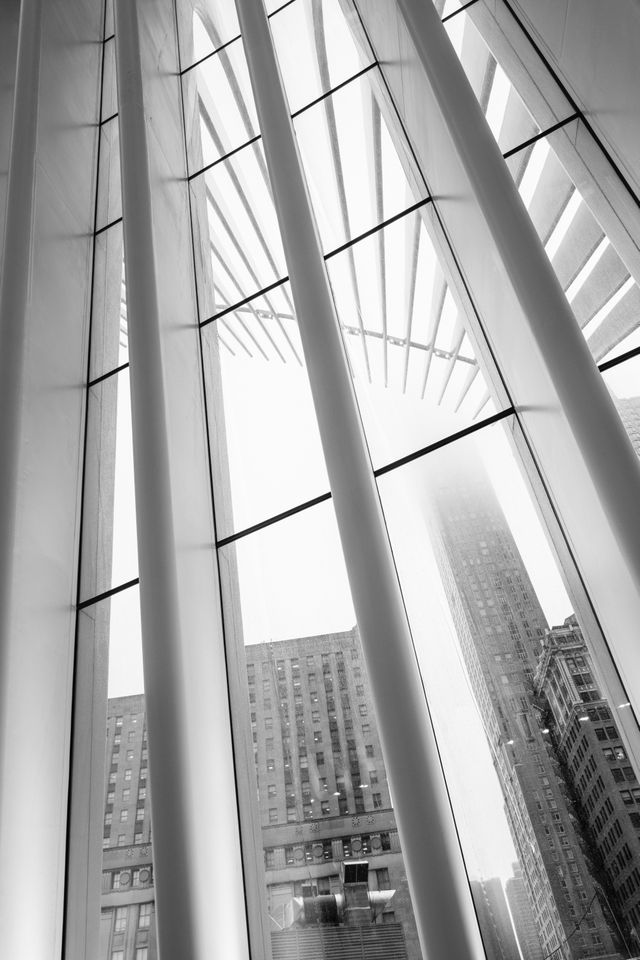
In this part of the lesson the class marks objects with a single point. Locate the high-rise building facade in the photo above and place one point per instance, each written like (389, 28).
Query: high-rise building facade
(522, 916)
(499, 612)
(596, 765)
(262, 261)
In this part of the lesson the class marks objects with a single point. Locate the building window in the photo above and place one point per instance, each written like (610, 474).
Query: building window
(117, 955)
(271, 790)
(377, 801)
(142, 953)
(127, 774)
(369, 749)
(383, 879)
(269, 859)
(273, 815)
(120, 924)
(122, 840)
(362, 709)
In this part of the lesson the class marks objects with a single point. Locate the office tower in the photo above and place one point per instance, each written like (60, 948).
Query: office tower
(127, 916)
(522, 916)
(596, 766)
(501, 628)
(495, 922)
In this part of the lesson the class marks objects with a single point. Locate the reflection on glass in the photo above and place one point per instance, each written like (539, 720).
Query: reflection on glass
(416, 371)
(334, 871)
(539, 777)
(623, 382)
(212, 26)
(267, 455)
(127, 916)
(238, 229)
(509, 120)
(354, 175)
(225, 114)
(109, 543)
(109, 339)
(323, 55)
(603, 295)
(109, 204)
(109, 91)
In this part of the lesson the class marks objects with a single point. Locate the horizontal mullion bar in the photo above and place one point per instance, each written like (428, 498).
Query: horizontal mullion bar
(327, 256)
(105, 376)
(228, 43)
(214, 163)
(543, 133)
(445, 441)
(322, 498)
(455, 13)
(107, 119)
(338, 86)
(108, 593)
(297, 113)
(629, 355)
(110, 37)
(107, 226)
(380, 471)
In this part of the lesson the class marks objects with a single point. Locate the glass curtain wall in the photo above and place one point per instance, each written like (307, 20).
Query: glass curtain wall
(543, 786)
(108, 641)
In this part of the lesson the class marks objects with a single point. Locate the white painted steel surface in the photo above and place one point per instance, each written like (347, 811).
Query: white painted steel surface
(198, 869)
(435, 870)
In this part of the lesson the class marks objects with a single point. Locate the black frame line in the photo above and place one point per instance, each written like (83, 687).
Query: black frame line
(108, 593)
(574, 105)
(107, 226)
(454, 13)
(377, 472)
(76, 633)
(615, 361)
(107, 375)
(541, 135)
(228, 43)
(296, 113)
(108, 119)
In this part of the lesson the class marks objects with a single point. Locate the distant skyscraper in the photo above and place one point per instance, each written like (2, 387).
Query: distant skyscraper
(497, 931)
(596, 765)
(522, 916)
(501, 626)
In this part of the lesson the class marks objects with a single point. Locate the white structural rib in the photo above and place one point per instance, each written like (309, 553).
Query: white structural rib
(437, 878)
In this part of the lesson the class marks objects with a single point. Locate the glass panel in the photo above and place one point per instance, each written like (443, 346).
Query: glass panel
(517, 703)
(267, 451)
(603, 295)
(237, 224)
(509, 120)
(623, 382)
(109, 340)
(315, 49)
(203, 32)
(109, 89)
(109, 195)
(110, 644)
(324, 799)
(353, 172)
(416, 371)
(109, 542)
(109, 26)
(225, 115)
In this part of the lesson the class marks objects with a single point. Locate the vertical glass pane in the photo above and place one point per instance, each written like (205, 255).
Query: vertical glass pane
(109, 90)
(623, 382)
(236, 224)
(110, 646)
(109, 340)
(412, 348)
(211, 27)
(226, 115)
(109, 192)
(323, 53)
(518, 704)
(354, 175)
(109, 542)
(604, 296)
(331, 850)
(267, 450)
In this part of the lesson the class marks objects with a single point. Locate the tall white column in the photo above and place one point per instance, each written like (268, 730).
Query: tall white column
(43, 341)
(197, 862)
(437, 879)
